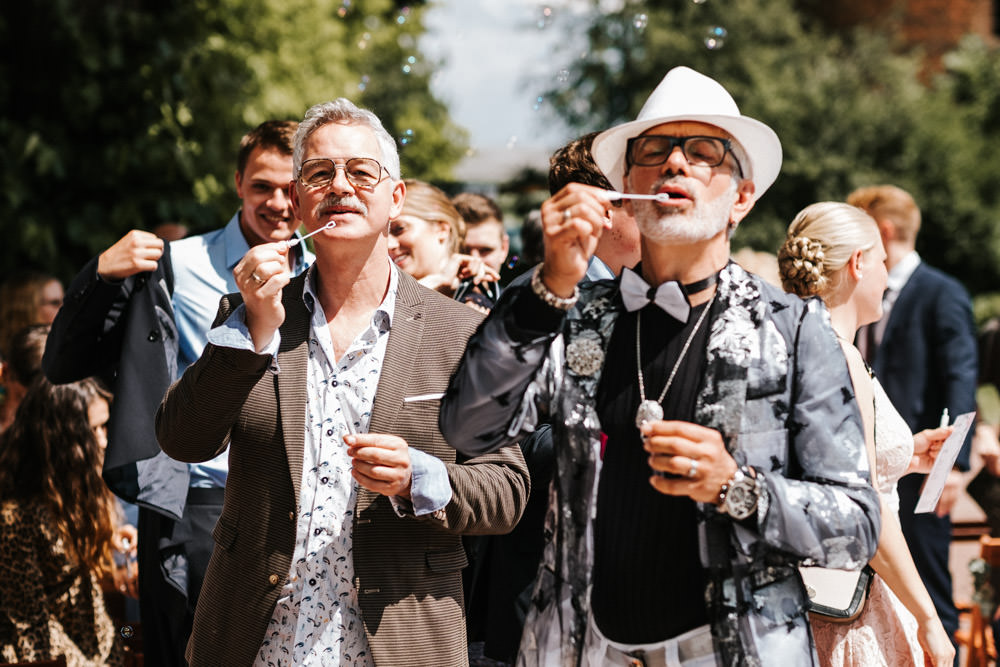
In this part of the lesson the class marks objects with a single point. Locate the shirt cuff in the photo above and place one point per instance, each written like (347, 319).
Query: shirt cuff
(233, 333)
(430, 487)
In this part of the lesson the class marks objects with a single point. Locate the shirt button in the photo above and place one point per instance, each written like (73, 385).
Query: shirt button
(325, 480)
(273, 579)
(334, 383)
(312, 582)
(330, 432)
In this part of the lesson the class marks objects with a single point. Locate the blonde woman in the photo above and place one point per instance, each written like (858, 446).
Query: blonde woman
(424, 241)
(834, 251)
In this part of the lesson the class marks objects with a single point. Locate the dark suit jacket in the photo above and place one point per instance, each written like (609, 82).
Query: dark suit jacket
(123, 332)
(408, 570)
(927, 361)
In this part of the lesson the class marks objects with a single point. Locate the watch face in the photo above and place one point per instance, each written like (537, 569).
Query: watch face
(741, 501)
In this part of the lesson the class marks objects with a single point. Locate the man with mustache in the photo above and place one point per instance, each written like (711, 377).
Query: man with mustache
(137, 315)
(705, 434)
(340, 538)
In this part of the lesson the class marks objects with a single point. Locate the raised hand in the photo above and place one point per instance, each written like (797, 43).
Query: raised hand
(572, 222)
(260, 276)
(133, 253)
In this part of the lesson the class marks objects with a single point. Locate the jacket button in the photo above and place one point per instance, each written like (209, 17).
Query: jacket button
(153, 336)
(273, 579)
(291, 516)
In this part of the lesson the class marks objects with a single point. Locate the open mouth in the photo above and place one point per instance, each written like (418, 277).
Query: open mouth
(674, 193)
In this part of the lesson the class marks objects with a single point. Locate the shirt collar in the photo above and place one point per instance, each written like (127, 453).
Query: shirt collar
(904, 268)
(386, 308)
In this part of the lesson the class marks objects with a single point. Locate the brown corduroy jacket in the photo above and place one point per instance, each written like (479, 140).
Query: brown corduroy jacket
(407, 569)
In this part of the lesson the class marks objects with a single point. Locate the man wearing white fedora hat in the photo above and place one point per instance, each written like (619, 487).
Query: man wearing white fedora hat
(706, 434)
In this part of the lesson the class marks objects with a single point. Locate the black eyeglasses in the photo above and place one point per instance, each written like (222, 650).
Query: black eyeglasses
(650, 150)
(361, 172)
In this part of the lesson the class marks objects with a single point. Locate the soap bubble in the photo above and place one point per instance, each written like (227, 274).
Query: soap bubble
(639, 21)
(407, 137)
(512, 262)
(544, 17)
(345, 6)
(562, 76)
(715, 38)
(372, 22)
(406, 41)
(126, 632)
(470, 152)
(407, 69)
(404, 14)
(363, 83)
(538, 102)
(511, 142)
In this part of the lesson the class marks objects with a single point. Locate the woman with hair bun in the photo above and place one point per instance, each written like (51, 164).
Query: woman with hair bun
(834, 251)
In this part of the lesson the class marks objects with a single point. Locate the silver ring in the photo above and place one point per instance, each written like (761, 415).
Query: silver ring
(567, 215)
(257, 279)
(693, 470)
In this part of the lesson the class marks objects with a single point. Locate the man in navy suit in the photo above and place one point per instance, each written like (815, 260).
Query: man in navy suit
(923, 351)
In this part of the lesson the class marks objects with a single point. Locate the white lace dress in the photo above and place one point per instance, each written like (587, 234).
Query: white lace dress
(886, 633)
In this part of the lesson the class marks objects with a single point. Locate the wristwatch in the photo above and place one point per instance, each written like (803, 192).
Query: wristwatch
(738, 497)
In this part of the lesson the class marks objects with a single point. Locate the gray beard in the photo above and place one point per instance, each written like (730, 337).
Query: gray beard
(707, 219)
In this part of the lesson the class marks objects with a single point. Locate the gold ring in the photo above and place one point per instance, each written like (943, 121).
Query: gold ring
(693, 470)
(257, 279)
(567, 215)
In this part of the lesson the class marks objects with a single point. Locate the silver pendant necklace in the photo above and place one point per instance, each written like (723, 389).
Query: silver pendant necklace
(652, 410)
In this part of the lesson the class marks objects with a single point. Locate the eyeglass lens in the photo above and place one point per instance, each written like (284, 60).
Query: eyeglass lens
(652, 150)
(360, 171)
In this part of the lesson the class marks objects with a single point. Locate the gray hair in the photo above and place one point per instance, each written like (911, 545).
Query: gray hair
(342, 110)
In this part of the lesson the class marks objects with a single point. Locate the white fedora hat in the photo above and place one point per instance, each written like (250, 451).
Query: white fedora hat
(686, 95)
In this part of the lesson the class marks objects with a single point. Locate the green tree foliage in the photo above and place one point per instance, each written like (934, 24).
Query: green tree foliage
(851, 109)
(120, 114)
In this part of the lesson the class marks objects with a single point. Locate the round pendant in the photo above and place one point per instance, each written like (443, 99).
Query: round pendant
(648, 411)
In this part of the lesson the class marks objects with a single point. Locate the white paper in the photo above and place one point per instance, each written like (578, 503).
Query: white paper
(938, 475)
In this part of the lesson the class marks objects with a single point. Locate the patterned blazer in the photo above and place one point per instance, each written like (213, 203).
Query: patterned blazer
(407, 570)
(776, 387)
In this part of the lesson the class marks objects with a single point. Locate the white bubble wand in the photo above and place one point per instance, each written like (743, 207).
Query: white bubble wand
(294, 242)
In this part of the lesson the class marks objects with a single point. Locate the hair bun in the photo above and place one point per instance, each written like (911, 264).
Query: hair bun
(800, 262)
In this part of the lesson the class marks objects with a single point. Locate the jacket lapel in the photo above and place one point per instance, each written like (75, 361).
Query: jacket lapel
(293, 359)
(733, 343)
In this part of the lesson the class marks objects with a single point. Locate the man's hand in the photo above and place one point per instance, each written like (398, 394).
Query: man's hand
(260, 276)
(381, 463)
(682, 447)
(133, 253)
(572, 222)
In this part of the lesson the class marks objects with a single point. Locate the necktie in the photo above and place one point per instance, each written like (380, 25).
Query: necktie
(669, 296)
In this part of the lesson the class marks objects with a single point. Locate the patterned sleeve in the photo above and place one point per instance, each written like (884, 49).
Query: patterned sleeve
(826, 510)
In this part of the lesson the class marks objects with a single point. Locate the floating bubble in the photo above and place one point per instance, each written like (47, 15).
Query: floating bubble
(512, 141)
(345, 6)
(715, 38)
(364, 83)
(544, 17)
(372, 22)
(406, 41)
(363, 43)
(407, 137)
(126, 632)
(639, 21)
(407, 69)
(412, 60)
(470, 152)
(512, 262)
(562, 76)
(404, 14)
(538, 102)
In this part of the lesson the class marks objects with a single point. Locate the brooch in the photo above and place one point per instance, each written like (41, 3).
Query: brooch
(585, 355)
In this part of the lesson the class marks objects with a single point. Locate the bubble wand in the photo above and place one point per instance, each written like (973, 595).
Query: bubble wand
(294, 242)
